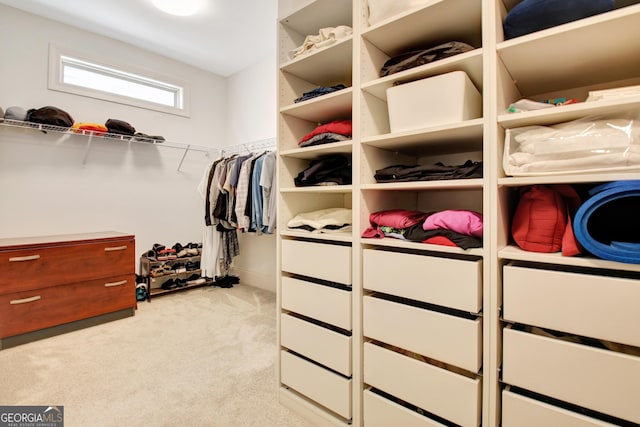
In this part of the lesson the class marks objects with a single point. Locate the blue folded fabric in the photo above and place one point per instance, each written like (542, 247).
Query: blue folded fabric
(607, 224)
(529, 16)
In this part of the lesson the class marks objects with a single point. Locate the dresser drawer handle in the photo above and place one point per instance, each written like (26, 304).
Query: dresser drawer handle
(24, 258)
(25, 300)
(112, 284)
(115, 248)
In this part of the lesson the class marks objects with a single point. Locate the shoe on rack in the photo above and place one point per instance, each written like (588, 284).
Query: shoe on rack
(150, 255)
(181, 251)
(157, 272)
(180, 283)
(192, 265)
(169, 284)
(166, 254)
(158, 247)
(192, 249)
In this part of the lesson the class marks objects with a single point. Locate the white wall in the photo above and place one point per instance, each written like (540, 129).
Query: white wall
(252, 117)
(131, 187)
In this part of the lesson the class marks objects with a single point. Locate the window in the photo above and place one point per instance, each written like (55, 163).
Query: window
(78, 74)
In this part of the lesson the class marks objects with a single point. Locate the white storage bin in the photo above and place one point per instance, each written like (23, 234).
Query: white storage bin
(521, 411)
(594, 378)
(447, 98)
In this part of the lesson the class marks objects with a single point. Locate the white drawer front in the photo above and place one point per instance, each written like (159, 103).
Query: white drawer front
(441, 281)
(603, 380)
(381, 412)
(593, 306)
(318, 260)
(319, 384)
(326, 347)
(443, 393)
(320, 302)
(521, 411)
(450, 339)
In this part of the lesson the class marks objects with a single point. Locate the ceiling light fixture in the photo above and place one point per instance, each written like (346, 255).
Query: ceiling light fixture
(179, 8)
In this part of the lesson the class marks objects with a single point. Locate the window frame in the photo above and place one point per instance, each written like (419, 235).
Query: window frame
(55, 81)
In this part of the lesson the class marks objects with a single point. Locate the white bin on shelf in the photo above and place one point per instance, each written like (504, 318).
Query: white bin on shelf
(447, 98)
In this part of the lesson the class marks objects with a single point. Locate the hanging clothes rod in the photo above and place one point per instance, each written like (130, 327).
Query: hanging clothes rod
(263, 144)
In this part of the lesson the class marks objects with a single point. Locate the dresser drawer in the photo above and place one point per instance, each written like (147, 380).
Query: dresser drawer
(381, 412)
(446, 394)
(594, 306)
(325, 346)
(320, 302)
(40, 267)
(602, 380)
(29, 311)
(321, 385)
(318, 260)
(521, 411)
(443, 337)
(441, 281)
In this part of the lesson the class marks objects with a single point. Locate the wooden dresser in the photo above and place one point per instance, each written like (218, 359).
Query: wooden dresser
(50, 281)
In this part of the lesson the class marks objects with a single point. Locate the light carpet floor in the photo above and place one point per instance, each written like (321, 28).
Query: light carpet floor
(203, 357)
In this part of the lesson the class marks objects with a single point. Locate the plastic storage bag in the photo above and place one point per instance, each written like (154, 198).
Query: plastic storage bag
(585, 145)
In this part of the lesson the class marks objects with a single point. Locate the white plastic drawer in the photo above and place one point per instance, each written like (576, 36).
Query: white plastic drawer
(319, 384)
(594, 306)
(319, 302)
(441, 281)
(446, 394)
(381, 412)
(318, 260)
(521, 411)
(602, 380)
(325, 346)
(443, 337)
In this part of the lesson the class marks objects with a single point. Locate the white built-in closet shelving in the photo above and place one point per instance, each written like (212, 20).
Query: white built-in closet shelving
(544, 380)
(380, 332)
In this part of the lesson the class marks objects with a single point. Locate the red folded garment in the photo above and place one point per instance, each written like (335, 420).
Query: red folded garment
(96, 128)
(341, 127)
(396, 218)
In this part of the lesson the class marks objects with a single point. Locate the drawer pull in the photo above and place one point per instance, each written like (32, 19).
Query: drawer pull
(24, 258)
(112, 284)
(24, 300)
(115, 248)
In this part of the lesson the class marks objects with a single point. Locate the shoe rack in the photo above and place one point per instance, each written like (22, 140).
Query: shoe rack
(167, 273)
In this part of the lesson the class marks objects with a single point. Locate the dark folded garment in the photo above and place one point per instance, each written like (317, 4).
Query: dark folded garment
(323, 138)
(334, 168)
(119, 127)
(139, 136)
(529, 16)
(415, 233)
(50, 116)
(319, 91)
(436, 171)
(416, 58)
